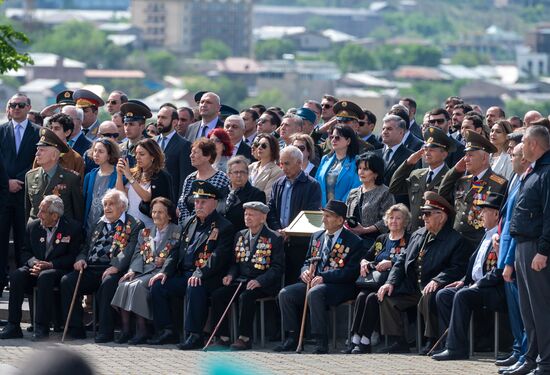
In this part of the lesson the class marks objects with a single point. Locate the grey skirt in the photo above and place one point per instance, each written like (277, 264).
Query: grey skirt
(134, 296)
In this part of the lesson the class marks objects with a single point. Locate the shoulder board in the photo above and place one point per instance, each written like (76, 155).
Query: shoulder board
(499, 180)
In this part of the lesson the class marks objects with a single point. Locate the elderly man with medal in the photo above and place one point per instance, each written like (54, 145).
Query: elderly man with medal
(194, 270)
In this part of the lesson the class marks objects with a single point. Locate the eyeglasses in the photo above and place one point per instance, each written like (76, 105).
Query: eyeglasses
(238, 173)
(110, 135)
(327, 106)
(15, 105)
(261, 145)
(301, 147)
(429, 213)
(437, 120)
(112, 102)
(335, 137)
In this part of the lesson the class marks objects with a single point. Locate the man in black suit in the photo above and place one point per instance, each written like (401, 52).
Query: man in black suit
(18, 139)
(410, 104)
(411, 141)
(366, 128)
(176, 148)
(78, 141)
(332, 281)
(234, 126)
(53, 241)
(209, 109)
(441, 119)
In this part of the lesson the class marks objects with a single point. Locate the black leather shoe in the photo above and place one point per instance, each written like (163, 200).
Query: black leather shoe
(138, 340)
(502, 370)
(289, 345)
(102, 338)
(450, 355)
(123, 338)
(166, 336)
(76, 333)
(361, 349)
(524, 369)
(349, 349)
(193, 342)
(11, 331)
(396, 347)
(41, 334)
(507, 362)
(426, 348)
(321, 345)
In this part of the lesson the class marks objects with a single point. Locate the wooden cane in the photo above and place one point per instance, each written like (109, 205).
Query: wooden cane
(312, 266)
(438, 342)
(72, 305)
(223, 317)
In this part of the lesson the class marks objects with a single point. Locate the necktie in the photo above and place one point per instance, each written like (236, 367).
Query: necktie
(163, 141)
(330, 237)
(387, 155)
(204, 131)
(45, 178)
(85, 131)
(475, 179)
(430, 177)
(18, 137)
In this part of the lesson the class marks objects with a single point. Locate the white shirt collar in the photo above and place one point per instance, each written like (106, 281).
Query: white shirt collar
(211, 125)
(436, 170)
(335, 234)
(236, 148)
(480, 176)
(169, 135)
(23, 124)
(121, 218)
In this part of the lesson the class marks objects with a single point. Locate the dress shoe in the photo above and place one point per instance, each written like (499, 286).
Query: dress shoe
(102, 338)
(289, 345)
(426, 348)
(11, 331)
(41, 334)
(361, 349)
(349, 349)
(166, 336)
(502, 370)
(123, 338)
(240, 344)
(524, 369)
(321, 345)
(450, 355)
(507, 362)
(396, 347)
(193, 342)
(138, 340)
(76, 333)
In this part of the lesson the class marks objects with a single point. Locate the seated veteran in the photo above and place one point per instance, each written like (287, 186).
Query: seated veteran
(52, 243)
(378, 262)
(334, 254)
(240, 192)
(258, 263)
(481, 286)
(51, 178)
(153, 247)
(194, 270)
(104, 260)
(436, 256)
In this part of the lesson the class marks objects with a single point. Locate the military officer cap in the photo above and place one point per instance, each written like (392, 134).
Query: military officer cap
(198, 96)
(49, 139)
(134, 110)
(86, 98)
(434, 201)
(493, 200)
(306, 114)
(204, 190)
(258, 206)
(336, 207)
(345, 110)
(475, 142)
(226, 111)
(65, 98)
(435, 137)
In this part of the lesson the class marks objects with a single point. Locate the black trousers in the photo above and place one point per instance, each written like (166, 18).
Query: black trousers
(91, 282)
(392, 307)
(247, 308)
(295, 255)
(22, 282)
(366, 314)
(12, 216)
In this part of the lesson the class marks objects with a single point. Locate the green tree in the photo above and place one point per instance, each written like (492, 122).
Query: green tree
(430, 95)
(470, 59)
(353, 58)
(231, 92)
(10, 58)
(415, 54)
(516, 107)
(161, 62)
(270, 49)
(212, 49)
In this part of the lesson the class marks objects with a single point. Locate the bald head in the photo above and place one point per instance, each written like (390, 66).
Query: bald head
(531, 116)
(209, 106)
(107, 127)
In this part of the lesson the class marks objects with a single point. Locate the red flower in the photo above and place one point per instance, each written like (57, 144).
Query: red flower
(59, 236)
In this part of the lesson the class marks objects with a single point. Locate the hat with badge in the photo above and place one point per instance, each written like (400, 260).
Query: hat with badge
(493, 200)
(134, 110)
(435, 137)
(226, 111)
(65, 98)
(258, 206)
(49, 139)
(198, 96)
(345, 109)
(306, 114)
(434, 201)
(85, 98)
(336, 207)
(477, 142)
(204, 190)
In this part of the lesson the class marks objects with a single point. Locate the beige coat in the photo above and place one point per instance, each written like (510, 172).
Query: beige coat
(264, 177)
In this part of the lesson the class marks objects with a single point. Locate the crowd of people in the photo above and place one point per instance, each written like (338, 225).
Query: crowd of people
(444, 217)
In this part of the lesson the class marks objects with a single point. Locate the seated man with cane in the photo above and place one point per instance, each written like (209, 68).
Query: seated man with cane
(327, 279)
(100, 265)
(53, 241)
(258, 265)
(194, 270)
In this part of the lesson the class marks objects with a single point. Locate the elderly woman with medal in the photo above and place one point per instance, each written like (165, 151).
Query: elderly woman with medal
(258, 264)
(194, 270)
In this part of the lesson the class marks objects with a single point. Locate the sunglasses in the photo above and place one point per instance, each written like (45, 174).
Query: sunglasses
(110, 135)
(438, 121)
(261, 145)
(20, 105)
(327, 106)
(112, 102)
(263, 120)
(335, 137)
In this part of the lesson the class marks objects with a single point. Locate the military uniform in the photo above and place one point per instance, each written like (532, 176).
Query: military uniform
(86, 99)
(133, 110)
(72, 161)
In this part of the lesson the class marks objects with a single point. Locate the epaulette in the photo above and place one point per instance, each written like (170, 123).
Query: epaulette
(499, 180)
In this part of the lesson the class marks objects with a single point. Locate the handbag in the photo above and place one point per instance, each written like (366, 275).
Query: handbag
(373, 280)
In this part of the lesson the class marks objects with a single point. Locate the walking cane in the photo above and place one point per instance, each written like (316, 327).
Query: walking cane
(438, 342)
(72, 304)
(312, 265)
(223, 317)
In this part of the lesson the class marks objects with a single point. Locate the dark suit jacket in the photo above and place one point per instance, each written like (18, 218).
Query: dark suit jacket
(348, 271)
(178, 163)
(270, 278)
(415, 129)
(444, 261)
(235, 213)
(399, 156)
(4, 186)
(66, 243)
(18, 164)
(82, 144)
(373, 140)
(192, 133)
(455, 156)
(491, 276)
(245, 151)
(413, 143)
(306, 195)
(161, 186)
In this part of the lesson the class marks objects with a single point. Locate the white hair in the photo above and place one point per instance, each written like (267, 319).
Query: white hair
(79, 112)
(398, 120)
(294, 152)
(118, 196)
(236, 118)
(55, 204)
